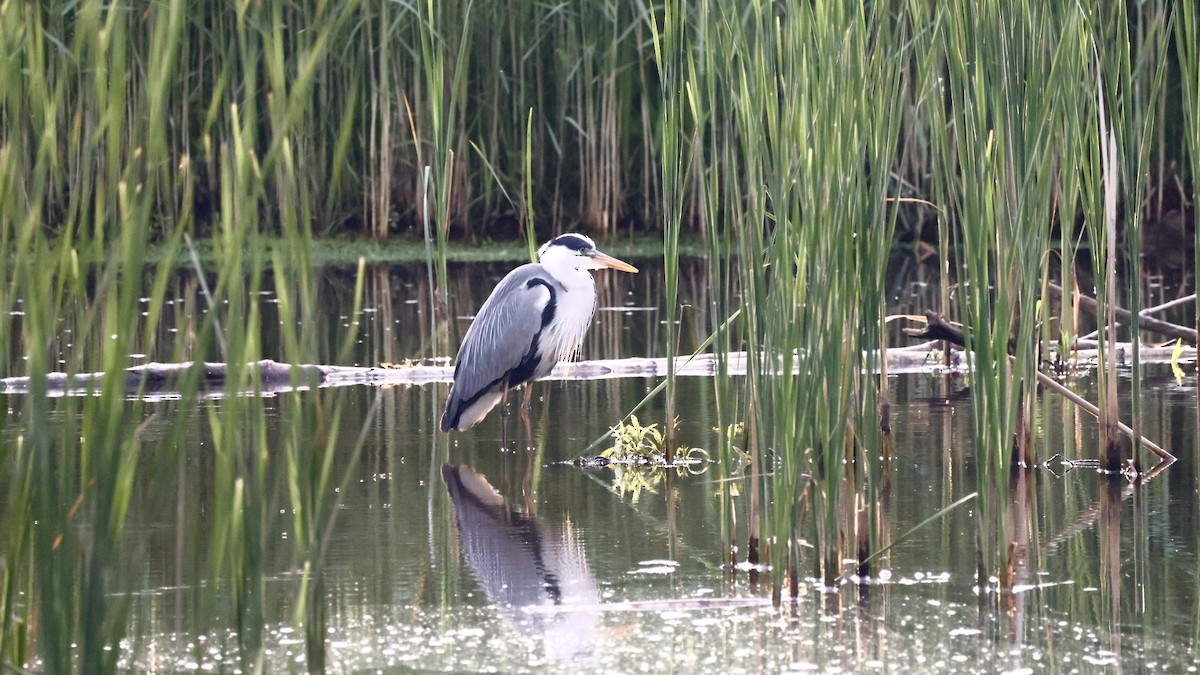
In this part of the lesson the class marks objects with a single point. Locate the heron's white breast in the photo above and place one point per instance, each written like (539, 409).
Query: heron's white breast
(574, 305)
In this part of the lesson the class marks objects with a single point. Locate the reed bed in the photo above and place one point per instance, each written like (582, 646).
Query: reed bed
(792, 112)
(411, 114)
(792, 136)
(815, 228)
(996, 181)
(122, 129)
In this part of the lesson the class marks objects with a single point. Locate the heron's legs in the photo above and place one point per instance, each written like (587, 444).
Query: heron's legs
(504, 415)
(505, 411)
(527, 425)
(530, 456)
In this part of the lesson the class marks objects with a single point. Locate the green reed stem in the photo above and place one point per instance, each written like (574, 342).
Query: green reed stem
(1187, 50)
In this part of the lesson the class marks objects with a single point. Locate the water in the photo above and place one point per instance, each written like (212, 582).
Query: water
(569, 569)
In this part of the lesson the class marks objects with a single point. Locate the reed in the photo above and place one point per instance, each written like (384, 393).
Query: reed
(410, 84)
(98, 163)
(671, 41)
(1001, 97)
(784, 185)
(717, 188)
(1187, 50)
(1129, 76)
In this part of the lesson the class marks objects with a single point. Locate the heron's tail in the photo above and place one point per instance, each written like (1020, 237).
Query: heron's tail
(463, 414)
(449, 416)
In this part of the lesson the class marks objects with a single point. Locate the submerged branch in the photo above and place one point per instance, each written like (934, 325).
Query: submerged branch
(937, 327)
(911, 531)
(1087, 518)
(1094, 411)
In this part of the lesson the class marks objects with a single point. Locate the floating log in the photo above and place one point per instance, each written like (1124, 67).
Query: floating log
(154, 381)
(163, 380)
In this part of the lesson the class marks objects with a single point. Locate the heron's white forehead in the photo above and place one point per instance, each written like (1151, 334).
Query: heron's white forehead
(570, 241)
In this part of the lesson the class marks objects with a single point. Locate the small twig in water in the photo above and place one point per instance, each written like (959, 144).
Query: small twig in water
(918, 526)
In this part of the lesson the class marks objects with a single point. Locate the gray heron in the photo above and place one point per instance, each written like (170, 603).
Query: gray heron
(535, 317)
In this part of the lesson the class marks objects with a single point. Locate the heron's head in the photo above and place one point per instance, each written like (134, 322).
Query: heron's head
(575, 251)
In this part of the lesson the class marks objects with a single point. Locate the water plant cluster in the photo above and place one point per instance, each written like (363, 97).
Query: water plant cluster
(795, 137)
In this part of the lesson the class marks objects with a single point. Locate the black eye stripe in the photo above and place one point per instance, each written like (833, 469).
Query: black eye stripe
(574, 242)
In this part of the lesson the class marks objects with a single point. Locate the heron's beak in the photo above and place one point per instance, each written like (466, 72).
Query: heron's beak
(605, 260)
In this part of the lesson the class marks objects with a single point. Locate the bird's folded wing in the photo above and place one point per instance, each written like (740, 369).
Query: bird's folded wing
(502, 336)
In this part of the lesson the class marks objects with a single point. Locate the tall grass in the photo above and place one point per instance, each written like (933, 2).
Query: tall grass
(106, 148)
(670, 37)
(1006, 71)
(1128, 76)
(713, 158)
(414, 85)
(1187, 49)
(796, 108)
(794, 189)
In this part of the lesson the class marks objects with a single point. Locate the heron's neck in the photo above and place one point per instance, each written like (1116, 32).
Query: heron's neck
(571, 277)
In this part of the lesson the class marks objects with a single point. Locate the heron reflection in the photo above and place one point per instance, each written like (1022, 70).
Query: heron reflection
(534, 572)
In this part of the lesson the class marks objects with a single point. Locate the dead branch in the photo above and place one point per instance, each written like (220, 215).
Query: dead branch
(1145, 323)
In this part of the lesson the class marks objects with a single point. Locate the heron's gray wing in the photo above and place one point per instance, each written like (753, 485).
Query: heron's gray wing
(501, 337)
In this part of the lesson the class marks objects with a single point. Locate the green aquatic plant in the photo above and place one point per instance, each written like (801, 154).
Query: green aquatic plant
(632, 439)
(640, 460)
(638, 444)
(1176, 369)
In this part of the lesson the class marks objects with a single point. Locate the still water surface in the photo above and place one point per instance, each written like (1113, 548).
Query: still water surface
(453, 554)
